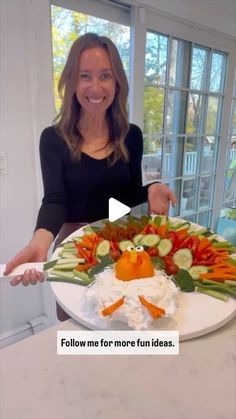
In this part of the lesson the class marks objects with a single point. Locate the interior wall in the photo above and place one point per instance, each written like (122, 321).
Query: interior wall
(217, 15)
(26, 107)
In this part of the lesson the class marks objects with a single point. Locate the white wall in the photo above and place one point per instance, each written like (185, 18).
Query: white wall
(217, 15)
(26, 107)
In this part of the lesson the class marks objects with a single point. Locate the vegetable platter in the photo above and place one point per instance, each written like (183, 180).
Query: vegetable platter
(200, 263)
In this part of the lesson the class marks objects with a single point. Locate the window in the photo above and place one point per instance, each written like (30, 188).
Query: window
(230, 172)
(67, 25)
(183, 96)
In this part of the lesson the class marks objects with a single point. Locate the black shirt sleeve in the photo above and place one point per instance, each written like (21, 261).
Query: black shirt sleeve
(52, 213)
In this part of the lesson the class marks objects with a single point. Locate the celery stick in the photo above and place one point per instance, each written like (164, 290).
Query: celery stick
(67, 280)
(212, 293)
(211, 282)
(222, 244)
(230, 282)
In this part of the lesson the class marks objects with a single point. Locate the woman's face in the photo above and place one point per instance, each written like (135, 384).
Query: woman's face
(96, 83)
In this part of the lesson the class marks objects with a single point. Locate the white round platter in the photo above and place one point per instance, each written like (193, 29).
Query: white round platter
(197, 314)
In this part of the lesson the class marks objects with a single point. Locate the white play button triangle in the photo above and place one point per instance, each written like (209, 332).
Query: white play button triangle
(117, 209)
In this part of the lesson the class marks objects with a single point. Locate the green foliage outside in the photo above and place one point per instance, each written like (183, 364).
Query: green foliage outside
(184, 113)
(68, 25)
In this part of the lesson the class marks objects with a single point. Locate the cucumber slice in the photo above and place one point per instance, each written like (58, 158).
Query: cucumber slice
(150, 240)
(63, 274)
(69, 245)
(82, 275)
(70, 260)
(137, 239)
(88, 230)
(195, 271)
(183, 258)
(70, 256)
(124, 244)
(164, 247)
(164, 219)
(183, 225)
(65, 266)
(77, 239)
(103, 248)
(72, 251)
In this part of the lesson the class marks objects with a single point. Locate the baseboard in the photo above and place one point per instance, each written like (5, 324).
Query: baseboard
(30, 328)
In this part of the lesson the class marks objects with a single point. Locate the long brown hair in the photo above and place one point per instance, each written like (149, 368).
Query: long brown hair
(66, 121)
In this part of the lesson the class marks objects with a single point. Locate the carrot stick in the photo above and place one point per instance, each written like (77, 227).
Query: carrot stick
(218, 276)
(109, 310)
(152, 309)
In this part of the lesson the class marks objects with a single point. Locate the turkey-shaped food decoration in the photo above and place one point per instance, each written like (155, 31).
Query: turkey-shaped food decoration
(133, 291)
(134, 263)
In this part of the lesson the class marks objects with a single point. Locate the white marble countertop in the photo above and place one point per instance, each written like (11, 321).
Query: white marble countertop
(199, 383)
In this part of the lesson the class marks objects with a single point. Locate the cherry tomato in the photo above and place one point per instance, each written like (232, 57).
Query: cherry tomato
(171, 269)
(152, 251)
(115, 254)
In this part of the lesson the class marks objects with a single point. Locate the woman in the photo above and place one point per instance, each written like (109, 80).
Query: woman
(90, 154)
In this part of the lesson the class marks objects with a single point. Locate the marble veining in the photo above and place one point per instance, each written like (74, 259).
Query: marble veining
(199, 383)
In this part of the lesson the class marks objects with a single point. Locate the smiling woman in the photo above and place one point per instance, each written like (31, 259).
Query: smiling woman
(91, 153)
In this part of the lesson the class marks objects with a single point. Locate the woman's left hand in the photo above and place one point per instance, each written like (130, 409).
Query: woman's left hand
(159, 198)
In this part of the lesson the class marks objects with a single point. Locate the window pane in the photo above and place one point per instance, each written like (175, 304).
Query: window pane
(217, 72)
(190, 156)
(153, 111)
(172, 166)
(176, 110)
(152, 158)
(233, 118)
(230, 185)
(232, 154)
(175, 185)
(194, 120)
(204, 218)
(156, 58)
(178, 70)
(205, 199)
(209, 145)
(188, 201)
(192, 218)
(198, 72)
(212, 122)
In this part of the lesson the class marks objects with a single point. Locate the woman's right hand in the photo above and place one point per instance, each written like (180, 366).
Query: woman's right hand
(35, 251)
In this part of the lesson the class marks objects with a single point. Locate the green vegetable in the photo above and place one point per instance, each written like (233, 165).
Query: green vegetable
(212, 293)
(184, 280)
(104, 262)
(103, 248)
(150, 240)
(137, 239)
(158, 262)
(195, 271)
(124, 244)
(164, 247)
(68, 281)
(183, 258)
(49, 265)
(65, 266)
(62, 274)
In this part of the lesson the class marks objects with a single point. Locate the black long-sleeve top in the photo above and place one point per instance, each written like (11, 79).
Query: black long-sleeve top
(79, 191)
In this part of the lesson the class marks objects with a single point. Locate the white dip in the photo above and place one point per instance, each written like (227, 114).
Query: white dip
(107, 289)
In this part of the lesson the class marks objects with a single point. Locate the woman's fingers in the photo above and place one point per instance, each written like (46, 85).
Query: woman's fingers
(16, 280)
(26, 277)
(40, 276)
(31, 276)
